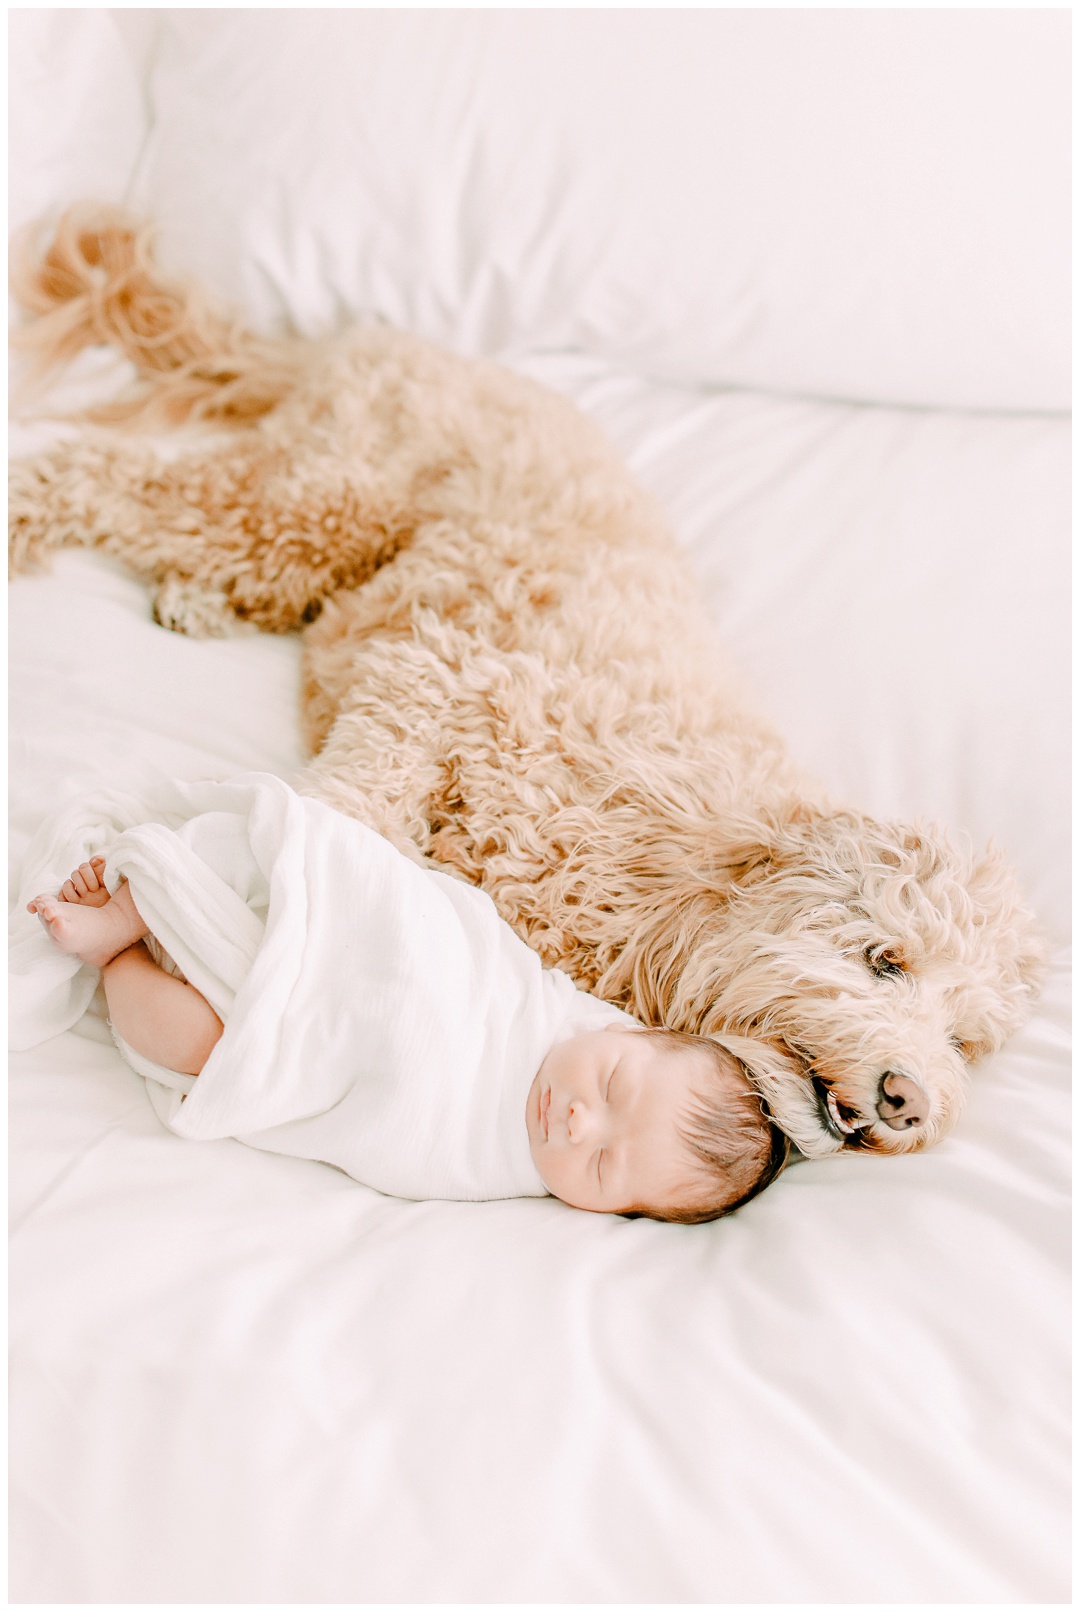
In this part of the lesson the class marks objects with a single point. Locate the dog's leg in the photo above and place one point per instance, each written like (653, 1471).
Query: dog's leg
(187, 606)
(246, 529)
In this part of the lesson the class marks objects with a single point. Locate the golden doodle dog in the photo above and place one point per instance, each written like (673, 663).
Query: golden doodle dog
(507, 671)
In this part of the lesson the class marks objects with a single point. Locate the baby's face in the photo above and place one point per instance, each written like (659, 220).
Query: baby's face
(603, 1116)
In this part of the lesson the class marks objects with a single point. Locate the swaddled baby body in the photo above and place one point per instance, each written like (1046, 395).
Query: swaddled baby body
(436, 1057)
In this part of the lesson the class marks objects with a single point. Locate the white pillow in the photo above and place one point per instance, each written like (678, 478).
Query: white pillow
(861, 203)
(76, 111)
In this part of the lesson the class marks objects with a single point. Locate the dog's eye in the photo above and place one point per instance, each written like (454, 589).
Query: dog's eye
(883, 963)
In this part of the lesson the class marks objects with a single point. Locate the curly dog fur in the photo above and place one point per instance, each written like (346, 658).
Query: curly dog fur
(507, 671)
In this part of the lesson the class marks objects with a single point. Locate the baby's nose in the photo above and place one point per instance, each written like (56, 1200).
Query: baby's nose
(581, 1122)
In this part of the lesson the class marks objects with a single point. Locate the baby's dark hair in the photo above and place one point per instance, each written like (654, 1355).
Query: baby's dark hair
(728, 1132)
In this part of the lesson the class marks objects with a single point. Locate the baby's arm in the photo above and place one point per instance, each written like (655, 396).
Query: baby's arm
(157, 1015)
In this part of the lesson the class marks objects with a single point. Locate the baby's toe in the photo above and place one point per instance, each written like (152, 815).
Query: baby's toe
(87, 878)
(90, 877)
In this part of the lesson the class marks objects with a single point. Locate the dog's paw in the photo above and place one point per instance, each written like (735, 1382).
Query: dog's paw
(183, 605)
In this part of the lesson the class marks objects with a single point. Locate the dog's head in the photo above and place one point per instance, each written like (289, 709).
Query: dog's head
(867, 965)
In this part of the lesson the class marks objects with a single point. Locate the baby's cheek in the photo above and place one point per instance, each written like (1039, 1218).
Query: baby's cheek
(551, 1178)
(554, 1174)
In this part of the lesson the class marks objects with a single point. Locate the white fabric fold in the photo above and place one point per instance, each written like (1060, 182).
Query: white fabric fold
(379, 1016)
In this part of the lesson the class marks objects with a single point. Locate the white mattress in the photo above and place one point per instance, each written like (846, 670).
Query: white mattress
(239, 1377)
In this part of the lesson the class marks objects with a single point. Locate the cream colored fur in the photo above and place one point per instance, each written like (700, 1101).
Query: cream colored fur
(507, 670)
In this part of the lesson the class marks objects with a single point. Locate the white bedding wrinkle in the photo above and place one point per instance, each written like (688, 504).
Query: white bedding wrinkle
(379, 1016)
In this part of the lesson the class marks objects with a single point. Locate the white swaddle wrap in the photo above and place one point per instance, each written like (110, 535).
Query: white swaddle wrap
(379, 1016)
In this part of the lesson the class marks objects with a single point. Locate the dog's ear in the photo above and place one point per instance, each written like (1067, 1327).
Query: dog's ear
(665, 971)
(745, 850)
(741, 850)
(740, 860)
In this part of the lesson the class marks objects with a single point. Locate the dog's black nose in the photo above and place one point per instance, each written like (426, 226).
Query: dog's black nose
(902, 1103)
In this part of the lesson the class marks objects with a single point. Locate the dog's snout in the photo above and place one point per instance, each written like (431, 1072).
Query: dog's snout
(902, 1103)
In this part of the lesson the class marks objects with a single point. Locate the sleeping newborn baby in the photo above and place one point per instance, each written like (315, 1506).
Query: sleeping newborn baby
(282, 974)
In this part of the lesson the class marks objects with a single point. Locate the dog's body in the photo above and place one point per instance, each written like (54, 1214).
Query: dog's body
(507, 671)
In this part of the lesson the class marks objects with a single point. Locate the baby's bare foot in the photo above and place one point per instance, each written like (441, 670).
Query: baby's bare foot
(86, 886)
(93, 930)
(83, 932)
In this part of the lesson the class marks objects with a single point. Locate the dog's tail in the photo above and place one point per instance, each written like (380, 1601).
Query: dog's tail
(96, 283)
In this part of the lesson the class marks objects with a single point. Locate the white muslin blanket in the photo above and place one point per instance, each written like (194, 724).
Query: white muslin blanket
(379, 1016)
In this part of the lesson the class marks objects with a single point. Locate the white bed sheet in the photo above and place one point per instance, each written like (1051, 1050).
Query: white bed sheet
(244, 1378)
